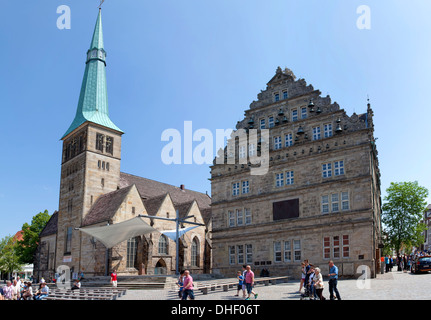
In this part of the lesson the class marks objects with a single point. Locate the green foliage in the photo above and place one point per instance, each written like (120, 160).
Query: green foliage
(27, 247)
(9, 259)
(402, 214)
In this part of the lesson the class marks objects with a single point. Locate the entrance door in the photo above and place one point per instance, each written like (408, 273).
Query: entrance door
(160, 267)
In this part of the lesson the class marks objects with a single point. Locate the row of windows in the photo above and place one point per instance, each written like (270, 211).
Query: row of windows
(239, 217)
(241, 254)
(104, 143)
(245, 187)
(284, 178)
(269, 122)
(277, 96)
(286, 250)
(103, 165)
(288, 137)
(335, 202)
(336, 247)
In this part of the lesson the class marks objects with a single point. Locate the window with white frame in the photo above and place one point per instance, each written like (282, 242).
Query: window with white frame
(231, 254)
(247, 214)
(345, 203)
(336, 247)
(242, 152)
(297, 250)
(235, 188)
(327, 170)
(249, 253)
(277, 251)
(288, 140)
(316, 133)
(279, 179)
(335, 202)
(271, 122)
(240, 253)
(231, 218)
(327, 130)
(287, 251)
(245, 187)
(294, 115)
(338, 168)
(251, 150)
(289, 178)
(325, 204)
(239, 217)
(277, 143)
(303, 113)
(262, 124)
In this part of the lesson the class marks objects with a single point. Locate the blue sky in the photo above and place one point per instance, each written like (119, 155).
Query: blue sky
(172, 61)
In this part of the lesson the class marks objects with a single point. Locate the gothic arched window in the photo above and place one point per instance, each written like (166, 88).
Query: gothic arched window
(163, 245)
(195, 252)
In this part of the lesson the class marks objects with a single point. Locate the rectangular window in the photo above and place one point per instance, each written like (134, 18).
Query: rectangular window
(297, 249)
(335, 202)
(327, 170)
(285, 95)
(235, 188)
(131, 252)
(231, 254)
(279, 179)
(245, 187)
(239, 217)
(231, 217)
(328, 130)
(325, 204)
(240, 253)
(346, 246)
(326, 248)
(287, 251)
(277, 143)
(294, 115)
(100, 139)
(247, 214)
(271, 122)
(262, 124)
(277, 97)
(303, 113)
(288, 140)
(277, 251)
(289, 178)
(68, 247)
(242, 153)
(345, 201)
(316, 133)
(336, 247)
(109, 145)
(338, 168)
(251, 150)
(249, 253)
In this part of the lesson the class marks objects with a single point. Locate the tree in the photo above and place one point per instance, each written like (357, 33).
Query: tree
(402, 214)
(9, 259)
(28, 245)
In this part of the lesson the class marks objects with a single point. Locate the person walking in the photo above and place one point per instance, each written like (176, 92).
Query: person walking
(240, 278)
(8, 291)
(318, 283)
(333, 279)
(114, 278)
(180, 284)
(188, 286)
(249, 283)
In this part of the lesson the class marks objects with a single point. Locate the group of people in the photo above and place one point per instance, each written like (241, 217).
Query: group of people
(185, 284)
(246, 282)
(23, 290)
(403, 262)
(313, 284)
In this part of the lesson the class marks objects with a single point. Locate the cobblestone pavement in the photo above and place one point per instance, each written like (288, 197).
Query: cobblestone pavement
(389, 286)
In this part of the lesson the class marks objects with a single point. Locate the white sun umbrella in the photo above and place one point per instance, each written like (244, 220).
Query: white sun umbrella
(172, 234)
(114, 234)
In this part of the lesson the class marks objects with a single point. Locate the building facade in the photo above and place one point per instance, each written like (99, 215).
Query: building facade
(320, 199)
(94, 192)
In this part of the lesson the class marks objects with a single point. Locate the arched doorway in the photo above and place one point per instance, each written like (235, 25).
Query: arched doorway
(160, 267)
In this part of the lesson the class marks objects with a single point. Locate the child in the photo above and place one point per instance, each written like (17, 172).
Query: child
(180, 284)
(240, 278)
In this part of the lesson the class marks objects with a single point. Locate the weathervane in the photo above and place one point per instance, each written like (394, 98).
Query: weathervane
(101, 2)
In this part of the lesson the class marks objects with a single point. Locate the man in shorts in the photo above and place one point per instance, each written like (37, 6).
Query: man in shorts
(249, 283)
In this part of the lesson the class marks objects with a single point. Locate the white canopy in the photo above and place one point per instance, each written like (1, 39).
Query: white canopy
(116, 233)
(172, 234)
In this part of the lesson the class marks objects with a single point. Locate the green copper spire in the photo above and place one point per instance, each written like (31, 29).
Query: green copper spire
(93, 99)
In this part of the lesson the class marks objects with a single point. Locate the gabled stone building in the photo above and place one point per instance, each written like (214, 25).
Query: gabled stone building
(94, 192)
(320, 199)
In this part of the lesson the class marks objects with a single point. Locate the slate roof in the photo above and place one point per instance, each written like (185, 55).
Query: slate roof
(51, 226)
(106, 206)
(150, 188)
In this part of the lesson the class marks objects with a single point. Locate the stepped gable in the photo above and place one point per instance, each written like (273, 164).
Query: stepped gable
(106, 206)
(150, 189)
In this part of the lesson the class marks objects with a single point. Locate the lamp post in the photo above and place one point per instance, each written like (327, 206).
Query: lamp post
(177, 221)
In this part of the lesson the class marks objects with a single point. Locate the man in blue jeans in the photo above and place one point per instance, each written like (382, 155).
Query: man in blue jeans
(333, 278)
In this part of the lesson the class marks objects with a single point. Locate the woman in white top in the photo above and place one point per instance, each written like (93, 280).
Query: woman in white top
(318, 283)
(302, 277)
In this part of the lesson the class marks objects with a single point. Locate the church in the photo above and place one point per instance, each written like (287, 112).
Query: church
(94, 192)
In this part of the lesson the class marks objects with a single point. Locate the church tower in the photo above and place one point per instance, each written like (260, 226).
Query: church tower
(91, 155)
